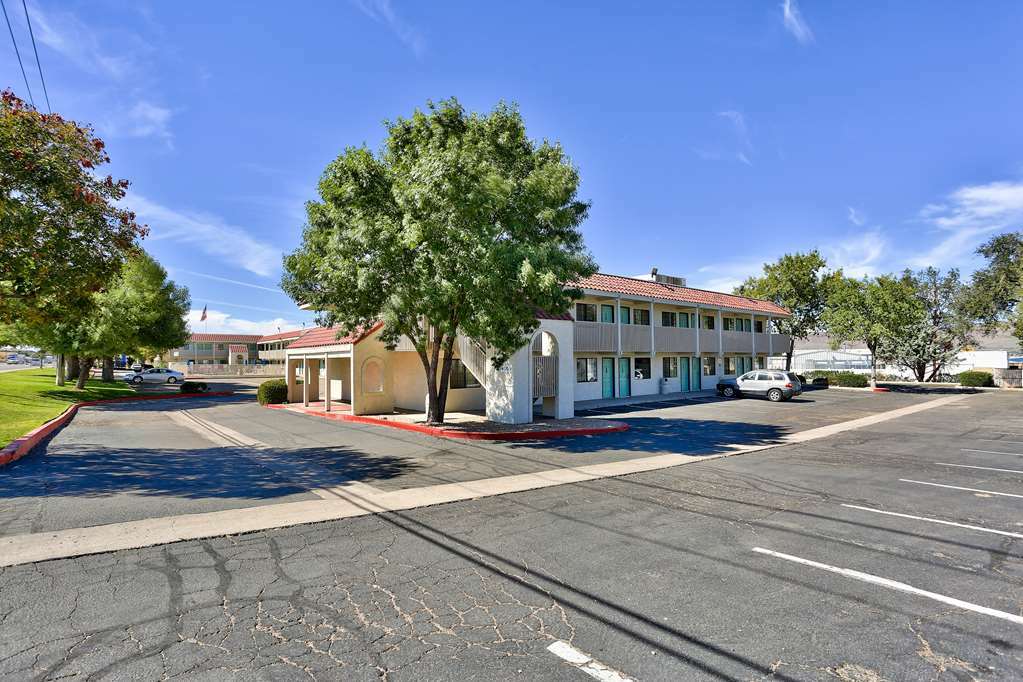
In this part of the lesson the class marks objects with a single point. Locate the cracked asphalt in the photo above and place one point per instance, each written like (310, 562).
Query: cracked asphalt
(652, 574)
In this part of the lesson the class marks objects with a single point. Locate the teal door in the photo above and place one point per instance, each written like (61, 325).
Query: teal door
(683, 372)
(607, 315)
(624, 377)
(607, 378)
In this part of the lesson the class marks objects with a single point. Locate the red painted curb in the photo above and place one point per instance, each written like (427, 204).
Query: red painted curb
(19, 447)
(441, 432)
(879, 389)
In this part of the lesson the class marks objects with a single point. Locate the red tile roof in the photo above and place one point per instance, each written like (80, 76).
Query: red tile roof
(544, 315)
(616, 284)
(232, 347)
(225, 338)
(327, 336)
(292, 334)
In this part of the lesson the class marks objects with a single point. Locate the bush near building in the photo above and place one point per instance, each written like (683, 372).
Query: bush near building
(975, 378)
(272, 392)
(846, 379)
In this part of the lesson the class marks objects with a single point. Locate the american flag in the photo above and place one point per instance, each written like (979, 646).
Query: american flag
(203, 318)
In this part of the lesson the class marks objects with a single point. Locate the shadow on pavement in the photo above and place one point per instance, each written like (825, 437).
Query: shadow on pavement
(657, 435)
(214, 472)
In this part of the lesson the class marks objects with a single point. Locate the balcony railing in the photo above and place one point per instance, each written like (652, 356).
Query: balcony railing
(635, 338)
(596, 337)
(737, 342)
(780, 343)
(709, 341)
(761, 341)
(674, 340)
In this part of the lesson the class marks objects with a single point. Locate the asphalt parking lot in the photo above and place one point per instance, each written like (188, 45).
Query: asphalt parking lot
(131, 461)
(888, 553)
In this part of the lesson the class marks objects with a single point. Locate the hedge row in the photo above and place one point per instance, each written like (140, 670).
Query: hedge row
(847, 379)
(975, 378)
(272, 392)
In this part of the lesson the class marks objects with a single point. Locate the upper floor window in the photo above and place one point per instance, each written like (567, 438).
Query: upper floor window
(759, 326)
(220, 346)
(707, 322)
(683, 320)
(641, 316)
(728, 323)
(586, 312)
(626, 314)
(607, 313)
(669, 319)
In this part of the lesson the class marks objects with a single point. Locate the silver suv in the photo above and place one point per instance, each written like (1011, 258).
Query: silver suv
(772, 384)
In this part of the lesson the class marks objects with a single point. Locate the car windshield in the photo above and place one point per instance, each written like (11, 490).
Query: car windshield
(792, 377)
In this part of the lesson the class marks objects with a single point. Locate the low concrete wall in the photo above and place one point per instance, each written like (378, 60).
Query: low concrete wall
(1008, 378)
(228, 370)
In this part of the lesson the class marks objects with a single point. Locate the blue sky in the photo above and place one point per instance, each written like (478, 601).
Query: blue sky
(710, 136)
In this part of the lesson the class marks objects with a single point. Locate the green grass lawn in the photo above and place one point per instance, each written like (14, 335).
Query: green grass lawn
(28, 398)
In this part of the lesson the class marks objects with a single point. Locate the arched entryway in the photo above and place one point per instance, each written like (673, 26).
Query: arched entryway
(544, 374)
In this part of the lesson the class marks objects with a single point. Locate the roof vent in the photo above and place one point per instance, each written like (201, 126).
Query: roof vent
(655, 276)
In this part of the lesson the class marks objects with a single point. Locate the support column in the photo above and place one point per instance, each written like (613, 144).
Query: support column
(753, 339)
(721, 342)
(618, 349)
(326, 379)
(305, 382)
(289, 378)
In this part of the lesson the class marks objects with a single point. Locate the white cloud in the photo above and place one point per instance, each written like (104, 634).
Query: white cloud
(207, 233)
(76, 41)
(794, 22)
(382, 12)
(966, 218)
(230, 281)
(859, 255)
(855, 217)
(148, 119)
(726, 275)
(225, 323)
(745, 150)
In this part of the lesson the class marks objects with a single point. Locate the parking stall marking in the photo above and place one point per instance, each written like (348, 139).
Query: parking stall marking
(957, 487)
(586, 663)
(930, 520)
(894, 585)
(968, 466)
(992, 452)
(999, 440)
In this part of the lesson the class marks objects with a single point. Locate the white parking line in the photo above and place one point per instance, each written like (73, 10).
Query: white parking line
(999, 440)
(586, 663)
(967, 466)
(956, 487)
(993, 452)
(929, 520)
(895, 585)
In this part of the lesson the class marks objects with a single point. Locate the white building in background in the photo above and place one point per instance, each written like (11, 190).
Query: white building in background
(626, 336)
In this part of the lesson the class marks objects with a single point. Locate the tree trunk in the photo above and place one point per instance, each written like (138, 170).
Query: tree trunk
(83, 374)
(445, 377)
(59, 367)
(920, 370)
(789, 353)
(74, 365)
(873, 365)
(108, 369)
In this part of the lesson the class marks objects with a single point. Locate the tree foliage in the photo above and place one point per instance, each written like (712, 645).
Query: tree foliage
(798, 282)
(995, 296)
(879, 312)
(460, 224)
(942, 329)
(62, 232)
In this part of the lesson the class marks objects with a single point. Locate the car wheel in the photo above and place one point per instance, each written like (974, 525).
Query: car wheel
(775, 395)
(728, 392)
(136, 380)
(172, 380)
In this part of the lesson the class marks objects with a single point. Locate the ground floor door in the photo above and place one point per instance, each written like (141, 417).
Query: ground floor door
(683, 373)
(624, 378)
(607, 378)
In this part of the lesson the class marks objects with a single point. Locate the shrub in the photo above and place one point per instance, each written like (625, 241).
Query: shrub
(272, 392)
(847, 379)
(194, 387)
(975, 378)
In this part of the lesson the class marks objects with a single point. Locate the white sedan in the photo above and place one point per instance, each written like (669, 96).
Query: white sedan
(156, 375)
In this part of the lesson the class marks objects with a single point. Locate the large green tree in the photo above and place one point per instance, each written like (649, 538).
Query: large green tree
(460, 224)
(798, 282)
(995, 296)
(943, 329)
(62, 231)
(879, 312)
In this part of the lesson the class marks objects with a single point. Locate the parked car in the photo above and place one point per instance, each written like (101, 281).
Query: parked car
(155, 375)
(140, 367)
(771, 384)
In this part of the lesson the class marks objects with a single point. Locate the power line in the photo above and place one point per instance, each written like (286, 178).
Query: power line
(17, 52)
(38, 65)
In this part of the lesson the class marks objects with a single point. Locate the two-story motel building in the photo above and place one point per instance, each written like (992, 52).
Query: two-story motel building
(625, 337)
